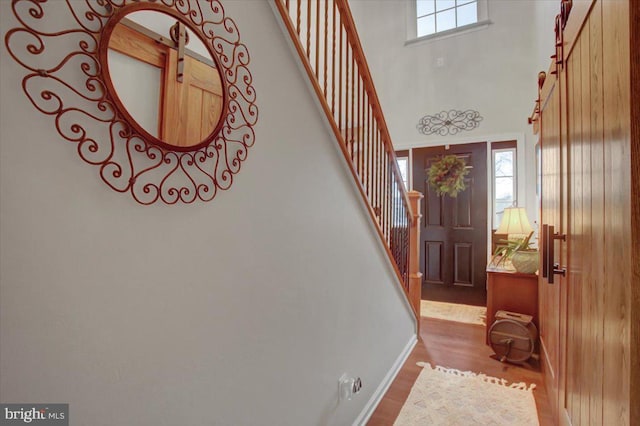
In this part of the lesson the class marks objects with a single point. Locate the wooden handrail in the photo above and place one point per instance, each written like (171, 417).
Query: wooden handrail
(343, 6)
(325, 37)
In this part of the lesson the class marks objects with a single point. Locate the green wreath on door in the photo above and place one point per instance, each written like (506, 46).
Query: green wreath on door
(446, 175)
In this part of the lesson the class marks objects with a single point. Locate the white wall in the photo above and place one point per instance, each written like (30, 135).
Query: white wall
(242, 311)
(544, 16)
(492, 70)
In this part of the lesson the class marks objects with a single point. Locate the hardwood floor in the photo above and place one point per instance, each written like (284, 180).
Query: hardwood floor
(461, 346)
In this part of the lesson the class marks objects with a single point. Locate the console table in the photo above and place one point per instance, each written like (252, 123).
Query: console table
(513, 292)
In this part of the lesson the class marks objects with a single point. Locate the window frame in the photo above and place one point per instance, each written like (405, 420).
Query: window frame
(498, 147)
(404, 155)
(412, 23)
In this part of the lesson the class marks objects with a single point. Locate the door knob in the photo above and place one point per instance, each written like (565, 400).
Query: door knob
(559, 271)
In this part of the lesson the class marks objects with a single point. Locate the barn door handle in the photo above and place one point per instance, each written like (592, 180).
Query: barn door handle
(545, 248)
(552, 267)
(550, 253)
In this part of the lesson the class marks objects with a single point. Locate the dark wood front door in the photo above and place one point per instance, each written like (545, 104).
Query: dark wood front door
(453, 247)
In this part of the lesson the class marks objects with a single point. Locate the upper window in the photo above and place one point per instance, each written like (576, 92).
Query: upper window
(435, 16)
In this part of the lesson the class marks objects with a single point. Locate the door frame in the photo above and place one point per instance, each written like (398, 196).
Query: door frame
(526, 164)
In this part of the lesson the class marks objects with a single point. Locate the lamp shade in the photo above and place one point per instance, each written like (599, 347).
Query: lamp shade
(514, 221)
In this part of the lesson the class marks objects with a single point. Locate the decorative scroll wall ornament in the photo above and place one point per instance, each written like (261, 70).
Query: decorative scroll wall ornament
(66, 79)
(449, 123)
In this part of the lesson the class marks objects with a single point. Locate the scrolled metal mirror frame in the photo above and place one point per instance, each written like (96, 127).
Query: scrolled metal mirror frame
(73, 89)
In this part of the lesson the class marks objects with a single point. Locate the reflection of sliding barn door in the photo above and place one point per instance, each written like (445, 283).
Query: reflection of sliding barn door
(192, 108)
(188, 111)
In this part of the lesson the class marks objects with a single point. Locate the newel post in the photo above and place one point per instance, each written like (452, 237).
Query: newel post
(415, 276)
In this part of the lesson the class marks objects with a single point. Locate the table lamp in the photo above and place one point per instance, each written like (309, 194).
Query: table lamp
(514, 223)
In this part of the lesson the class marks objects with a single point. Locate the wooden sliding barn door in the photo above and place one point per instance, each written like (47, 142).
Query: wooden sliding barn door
(582, 383)
(585, 132)
(553, 206)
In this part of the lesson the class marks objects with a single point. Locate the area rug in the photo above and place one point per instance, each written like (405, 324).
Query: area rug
(453, 312)
(444, 396)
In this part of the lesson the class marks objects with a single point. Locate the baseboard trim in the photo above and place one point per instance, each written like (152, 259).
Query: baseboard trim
(375, 399)
(545, 359)
(550, 380)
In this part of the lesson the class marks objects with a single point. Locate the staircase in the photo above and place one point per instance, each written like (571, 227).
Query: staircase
(324, 35)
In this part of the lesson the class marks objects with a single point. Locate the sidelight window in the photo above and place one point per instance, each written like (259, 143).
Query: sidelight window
(403, 165)
(504, 181)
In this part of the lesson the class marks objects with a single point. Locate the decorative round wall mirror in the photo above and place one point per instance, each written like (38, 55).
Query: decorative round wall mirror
(157, 94)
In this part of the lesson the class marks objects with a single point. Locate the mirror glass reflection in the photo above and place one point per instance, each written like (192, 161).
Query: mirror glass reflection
(165, 78)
